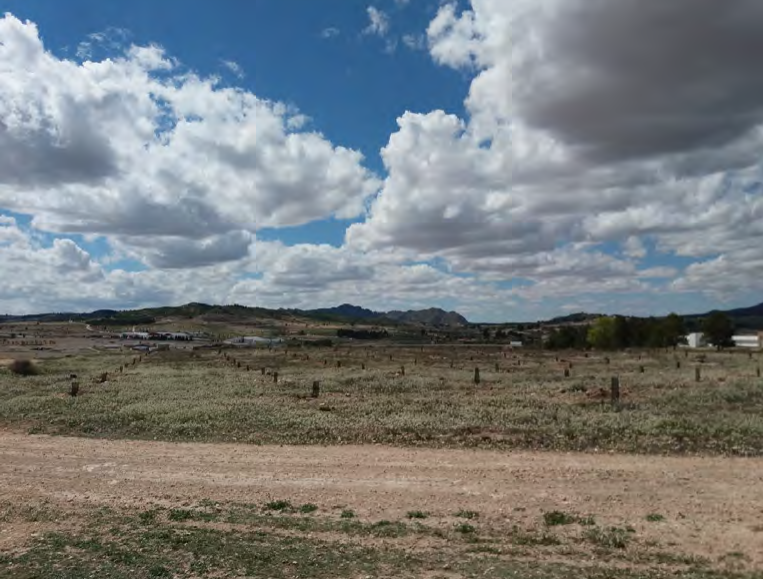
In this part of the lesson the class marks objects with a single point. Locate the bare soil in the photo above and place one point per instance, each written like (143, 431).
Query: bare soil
(711, 506)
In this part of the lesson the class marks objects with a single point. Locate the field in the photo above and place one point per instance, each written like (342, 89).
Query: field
(401, 464)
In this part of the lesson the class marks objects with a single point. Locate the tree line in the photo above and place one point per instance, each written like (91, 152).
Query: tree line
(619, 332)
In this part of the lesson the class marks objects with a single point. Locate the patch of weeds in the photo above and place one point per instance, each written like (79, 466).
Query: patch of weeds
(466, 529)
(279, 506)
(308, 508)
(389, 529)
(148, 517)
(180, 515)
(417, 515)
(526, 538)
(348, 514)
(485, 550)
(556, 518)
(471, 515)
(655, 518)
(609, 538)
(159, 571)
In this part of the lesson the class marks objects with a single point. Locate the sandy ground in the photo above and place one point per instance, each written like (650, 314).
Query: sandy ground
(712, 506)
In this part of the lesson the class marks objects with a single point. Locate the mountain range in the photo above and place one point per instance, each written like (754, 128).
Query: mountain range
(749, 317)
(345, 313)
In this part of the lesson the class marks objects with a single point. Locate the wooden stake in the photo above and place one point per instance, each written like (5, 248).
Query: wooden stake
(615, 390)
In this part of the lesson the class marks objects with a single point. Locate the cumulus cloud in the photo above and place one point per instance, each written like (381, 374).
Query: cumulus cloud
(136, 146)
(579, 133)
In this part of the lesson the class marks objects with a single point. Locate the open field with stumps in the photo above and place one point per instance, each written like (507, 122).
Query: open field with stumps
(669, 402)
(437, 461)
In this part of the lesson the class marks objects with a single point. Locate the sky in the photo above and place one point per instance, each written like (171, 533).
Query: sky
(513, 160)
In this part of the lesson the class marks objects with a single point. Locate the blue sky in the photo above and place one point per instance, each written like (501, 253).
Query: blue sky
(490, 156)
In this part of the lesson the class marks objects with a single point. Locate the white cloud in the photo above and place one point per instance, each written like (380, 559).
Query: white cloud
(580, 133)
(234, 67)
(330, 32)
(112, 148)
(415, 41)
(379, 22)
(634, 247)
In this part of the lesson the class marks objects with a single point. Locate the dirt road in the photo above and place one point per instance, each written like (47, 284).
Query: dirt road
(711, 506)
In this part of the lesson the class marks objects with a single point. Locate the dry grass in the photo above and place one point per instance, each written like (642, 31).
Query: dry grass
(526, 402)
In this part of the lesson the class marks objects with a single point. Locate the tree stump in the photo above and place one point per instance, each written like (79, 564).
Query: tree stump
(316, 389)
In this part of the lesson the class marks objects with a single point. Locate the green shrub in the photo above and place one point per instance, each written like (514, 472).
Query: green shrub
(555, 518)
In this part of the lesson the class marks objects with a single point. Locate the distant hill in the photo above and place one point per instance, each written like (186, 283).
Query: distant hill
(342, 313)
(347, 311)
(752, 311)
(429, 317)
(744, 318)
(580, 317)
(750, 318)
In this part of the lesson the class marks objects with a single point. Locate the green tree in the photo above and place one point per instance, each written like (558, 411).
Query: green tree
(602, 334)
(567, 338)
(622, 333)
(718, 329)
(673, 330)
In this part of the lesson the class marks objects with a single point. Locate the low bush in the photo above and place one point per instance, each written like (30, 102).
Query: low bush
(23, 368)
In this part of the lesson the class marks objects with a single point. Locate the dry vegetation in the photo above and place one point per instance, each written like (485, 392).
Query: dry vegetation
(406, 396)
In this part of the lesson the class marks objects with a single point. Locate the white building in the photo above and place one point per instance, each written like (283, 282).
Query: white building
(747, 341)
(696, 340)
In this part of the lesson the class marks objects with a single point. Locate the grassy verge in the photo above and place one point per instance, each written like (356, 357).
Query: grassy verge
(216, 540)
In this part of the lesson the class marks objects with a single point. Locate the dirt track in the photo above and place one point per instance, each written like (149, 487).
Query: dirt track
(712, 506)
